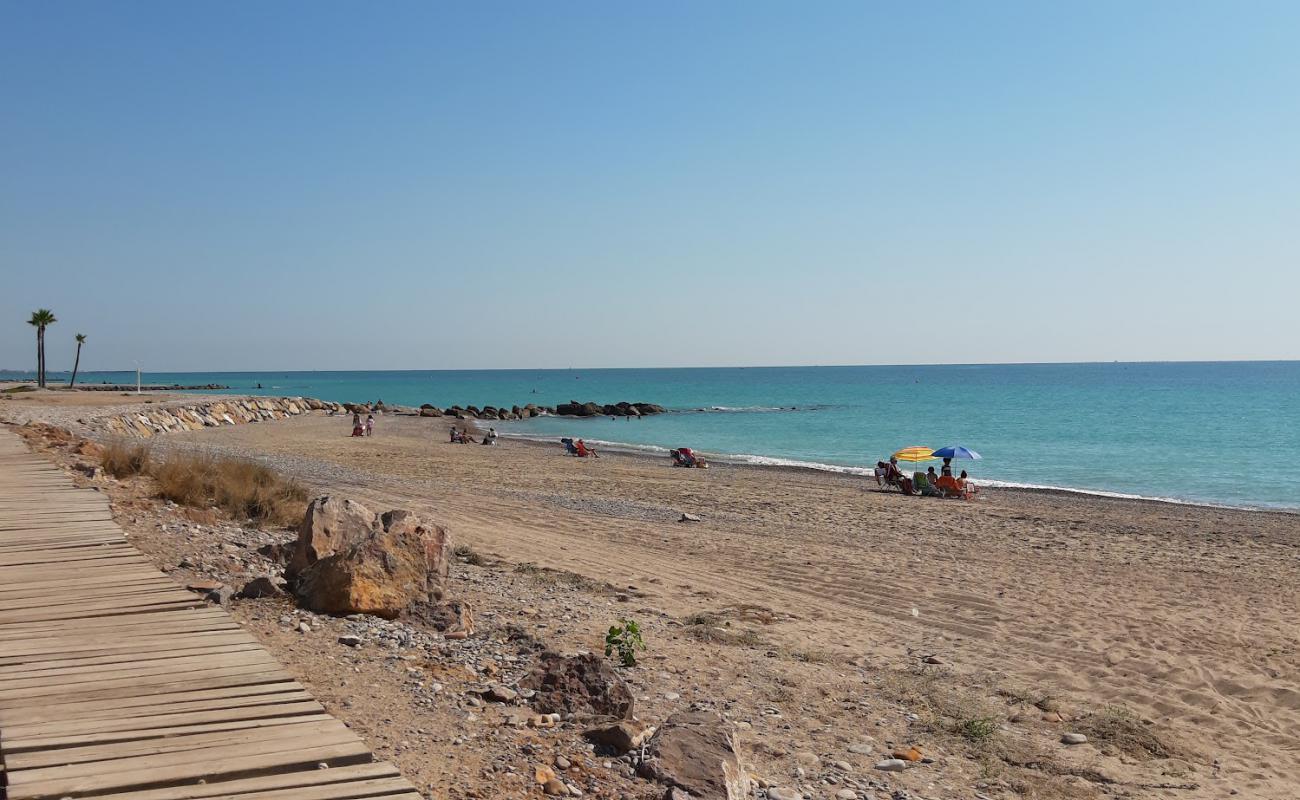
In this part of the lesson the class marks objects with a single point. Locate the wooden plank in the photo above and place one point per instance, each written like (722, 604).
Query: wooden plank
(199, 699)
(73, 749)
(159, 770)
(339, 776)
(17, 733)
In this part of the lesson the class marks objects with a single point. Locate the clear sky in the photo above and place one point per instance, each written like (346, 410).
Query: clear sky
(325, 185)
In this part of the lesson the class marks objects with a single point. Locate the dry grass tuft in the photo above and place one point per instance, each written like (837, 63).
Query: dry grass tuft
(123, 458)
(1116, 728)
(243, 489)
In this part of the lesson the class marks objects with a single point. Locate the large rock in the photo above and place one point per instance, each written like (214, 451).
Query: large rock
(584, 685)
(427, 410)
(329, 524)
(398, 561)
(695, 751)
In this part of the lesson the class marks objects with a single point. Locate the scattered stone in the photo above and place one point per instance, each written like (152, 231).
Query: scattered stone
(562, 763)
(846, 794)
(891, 765)
(500, 694)
(806, 759)
(843, 766)
(583, 684)
(862, 748)
(220, 595)
(556, 788)
(933, 660)
(690, 518)
(350, 640)
(621, 736)
(202, 586)
(259, 588)
(1074, 738)
(304, 627)
(695, 751)
(782, 793)
(907, 753)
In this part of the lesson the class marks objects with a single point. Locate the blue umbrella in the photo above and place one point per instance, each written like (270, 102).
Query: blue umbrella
(957, 451)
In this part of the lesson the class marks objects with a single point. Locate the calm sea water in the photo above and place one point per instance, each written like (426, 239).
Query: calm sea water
(1202, 432)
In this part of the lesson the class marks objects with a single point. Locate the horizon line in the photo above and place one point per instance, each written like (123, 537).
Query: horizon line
(736, 366)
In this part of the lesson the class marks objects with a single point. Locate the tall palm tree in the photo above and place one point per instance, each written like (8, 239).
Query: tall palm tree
(81, 339)
(41, 318)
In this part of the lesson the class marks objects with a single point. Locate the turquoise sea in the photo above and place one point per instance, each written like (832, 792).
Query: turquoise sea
(1219, 433)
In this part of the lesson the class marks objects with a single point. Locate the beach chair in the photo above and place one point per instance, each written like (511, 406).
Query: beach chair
(923, 485)
(949, 487)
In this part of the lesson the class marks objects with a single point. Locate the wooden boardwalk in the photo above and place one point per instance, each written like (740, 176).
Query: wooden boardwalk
(117, 683)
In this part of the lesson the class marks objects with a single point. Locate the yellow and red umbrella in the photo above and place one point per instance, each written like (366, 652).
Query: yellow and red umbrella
(915, 454)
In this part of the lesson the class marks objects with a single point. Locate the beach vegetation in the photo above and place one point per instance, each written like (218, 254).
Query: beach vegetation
(41, 319)
(625, 640)
(1116, 729)
(976, 730)
(245, 490)
(76, 364)
(123, 458)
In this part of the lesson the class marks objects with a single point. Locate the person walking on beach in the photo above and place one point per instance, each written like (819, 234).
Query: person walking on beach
(370, 424)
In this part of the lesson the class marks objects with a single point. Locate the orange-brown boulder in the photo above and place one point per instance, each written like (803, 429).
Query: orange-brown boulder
(401, 560)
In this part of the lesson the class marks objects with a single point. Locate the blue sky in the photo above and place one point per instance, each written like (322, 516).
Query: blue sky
(322, 185)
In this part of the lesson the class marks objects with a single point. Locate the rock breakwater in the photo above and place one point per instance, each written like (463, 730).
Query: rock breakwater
(209, 414)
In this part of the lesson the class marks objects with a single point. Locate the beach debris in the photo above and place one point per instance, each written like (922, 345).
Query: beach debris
(690, 518)
(1074, 738)
(891, 765)
(933, 660)
(695, 751)
(398, 561)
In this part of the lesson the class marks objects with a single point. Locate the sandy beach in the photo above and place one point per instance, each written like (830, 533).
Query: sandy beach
(835, 621)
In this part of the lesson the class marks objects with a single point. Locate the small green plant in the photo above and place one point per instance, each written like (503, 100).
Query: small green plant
(625, 638)
(977, 730)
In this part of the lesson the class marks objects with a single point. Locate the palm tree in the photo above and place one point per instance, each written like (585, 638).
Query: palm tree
(41, 318)
(81, 339)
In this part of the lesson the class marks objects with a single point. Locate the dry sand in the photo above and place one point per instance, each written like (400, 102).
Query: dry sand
(1184, 616)
(1164, 632)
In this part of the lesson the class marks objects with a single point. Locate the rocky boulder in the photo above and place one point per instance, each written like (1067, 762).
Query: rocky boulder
(400, 561)
(329, 524)
(583, 685)
(695, 751)
(428, 410)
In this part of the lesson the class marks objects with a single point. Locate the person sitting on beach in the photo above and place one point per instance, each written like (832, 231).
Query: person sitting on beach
(968, 489)
(949, 487)
(569, 447)
(584, 450)
(455, 437)
(491, 437)
(888, 474)
(947, 467)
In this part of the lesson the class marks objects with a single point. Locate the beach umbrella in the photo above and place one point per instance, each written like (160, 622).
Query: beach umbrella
(915, 454)
(956, 451)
